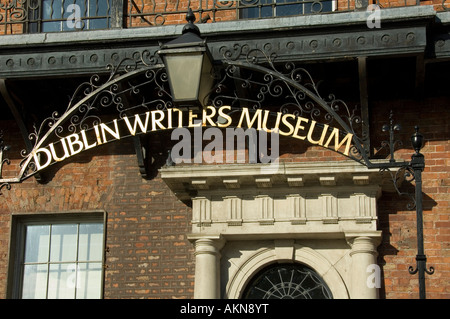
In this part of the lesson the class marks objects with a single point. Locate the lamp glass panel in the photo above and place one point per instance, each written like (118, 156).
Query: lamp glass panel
(207, 81)
(184, 74)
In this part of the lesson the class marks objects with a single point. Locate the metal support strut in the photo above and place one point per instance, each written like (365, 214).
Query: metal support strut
(418, 165)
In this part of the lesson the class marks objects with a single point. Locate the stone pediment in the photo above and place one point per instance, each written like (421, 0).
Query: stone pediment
(305, 200)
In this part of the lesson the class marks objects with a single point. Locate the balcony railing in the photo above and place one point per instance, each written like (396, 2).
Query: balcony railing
(33, 16)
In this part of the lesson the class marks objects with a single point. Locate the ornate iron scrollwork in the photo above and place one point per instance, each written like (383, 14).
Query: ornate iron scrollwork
(291, 87)
(138, 85)
(249, 77)
(127, 81)
(3, 161)
(397, 177)
(287, 281)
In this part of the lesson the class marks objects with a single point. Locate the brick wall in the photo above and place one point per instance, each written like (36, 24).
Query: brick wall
(148, 255)
(399, 246)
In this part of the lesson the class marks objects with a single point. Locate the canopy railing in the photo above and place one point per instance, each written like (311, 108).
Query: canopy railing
(34, 16)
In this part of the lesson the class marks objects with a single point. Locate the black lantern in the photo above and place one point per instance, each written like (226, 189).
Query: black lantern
(189, 66)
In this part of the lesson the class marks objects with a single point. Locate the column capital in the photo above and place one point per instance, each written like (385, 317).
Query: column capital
(207, 265)
(372, 238)
(207, 244)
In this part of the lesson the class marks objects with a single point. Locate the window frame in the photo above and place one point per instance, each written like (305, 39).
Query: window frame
(277, 281)
(36, 11)
(273, 4)
(17, 243)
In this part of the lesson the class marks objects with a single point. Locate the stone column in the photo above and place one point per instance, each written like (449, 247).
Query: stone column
(207, 267)
(364, 267)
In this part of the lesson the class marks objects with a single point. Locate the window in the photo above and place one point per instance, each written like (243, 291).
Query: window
(287, 281)
(252, 9)
(73, 15)
(62, 259)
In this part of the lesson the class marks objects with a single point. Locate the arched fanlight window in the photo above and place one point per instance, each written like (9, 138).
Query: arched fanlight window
(287, 281)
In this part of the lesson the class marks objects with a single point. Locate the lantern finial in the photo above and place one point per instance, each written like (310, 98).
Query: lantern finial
(190, 26)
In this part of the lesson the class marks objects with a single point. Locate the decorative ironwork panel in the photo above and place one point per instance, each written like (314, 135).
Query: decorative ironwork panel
(247, 81)
(145, 12)
(154, 13)
(290, 281)
(31, 16)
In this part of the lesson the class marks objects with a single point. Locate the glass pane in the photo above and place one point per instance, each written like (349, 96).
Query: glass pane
(184, 72)
(64, 243)
(90, 242)
(89, 281)
(99, 8)
(268, 9)
(37, 243)
(283, 9)
(72, 15)
(317, 7)
(98, 24)
(327, 6)
(51, 26)
(34, 282)
(51, 10)
(290, 281)
(256, 9)
(62, 281)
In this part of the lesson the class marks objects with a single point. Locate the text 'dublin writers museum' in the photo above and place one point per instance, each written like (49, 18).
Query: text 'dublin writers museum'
(224, 149)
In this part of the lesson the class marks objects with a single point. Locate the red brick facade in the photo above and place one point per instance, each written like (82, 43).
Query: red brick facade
(398, 248)
(148, 254)
(147, 251)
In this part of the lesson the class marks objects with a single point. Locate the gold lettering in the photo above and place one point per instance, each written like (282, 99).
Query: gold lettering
(115, 133)
(97, 135)
(71, 141)
(286, 123)
(85, 141)
(137, 120)
(66, 151)
(78, 142)
(169, 117)
(207, 117)
(193, 116)
(322, 137)
(337, 145)
(37, 158)
(157, 121)
(225, 116)
(298, 127)
(277, 122)
(246, 113)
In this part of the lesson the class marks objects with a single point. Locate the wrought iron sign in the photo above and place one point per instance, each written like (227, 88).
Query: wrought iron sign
(304, 114)
(251, 90)
(138, 92)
